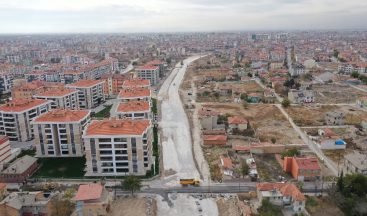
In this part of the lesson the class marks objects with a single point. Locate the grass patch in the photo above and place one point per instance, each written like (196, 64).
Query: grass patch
(61, 167)
(105, 113)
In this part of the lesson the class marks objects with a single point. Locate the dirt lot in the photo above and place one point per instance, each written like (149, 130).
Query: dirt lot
(267, 121)
(228, 207)
(315, 115)
(268, 168)
(333, 93)
(322, 206)
(133, 207)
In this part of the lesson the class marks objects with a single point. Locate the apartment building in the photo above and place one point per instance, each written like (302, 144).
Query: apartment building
(149, 72)
(134, 110)
(118, 147)
(62, 98)
(138, 93)
(23, 90)
(90, 93)
(6, 82)
(113, 83)
(16, 115)
(58, 133)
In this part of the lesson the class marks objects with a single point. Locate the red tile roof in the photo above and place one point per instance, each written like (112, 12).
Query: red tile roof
(237, 120)
(134, 93)
(226, 162)
(134, 106)
(287, 189)
(121, 127)
(307, 163)
(85, 83)
(21, 105)
(2, 186)
(215, 139)
(89, 192)
(56, 92)
(60, 115)
(136, 83)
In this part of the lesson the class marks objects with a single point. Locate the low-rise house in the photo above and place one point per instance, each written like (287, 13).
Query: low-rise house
(208, 119)
(356, 162)
(226, 165)
(19, 170)
(254, 97)
(286, 195)
(27, 204)
(334, 118)
(92, 199)
(269, 93)
(58, 133)
(134, 110)
(215, 140)
(301, 96)
(237, 123)
(302, 168)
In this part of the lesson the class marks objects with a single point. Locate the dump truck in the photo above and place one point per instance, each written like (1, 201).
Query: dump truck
(191, 181)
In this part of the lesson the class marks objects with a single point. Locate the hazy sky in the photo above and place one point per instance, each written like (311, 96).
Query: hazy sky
(39, 16)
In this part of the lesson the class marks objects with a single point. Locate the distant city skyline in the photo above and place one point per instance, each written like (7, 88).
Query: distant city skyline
(108, 16)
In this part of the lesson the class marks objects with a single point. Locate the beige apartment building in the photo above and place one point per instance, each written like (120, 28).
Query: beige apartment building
(58, 133)
(16, 115)
(90, 93)
(118, 147)
(61, 98)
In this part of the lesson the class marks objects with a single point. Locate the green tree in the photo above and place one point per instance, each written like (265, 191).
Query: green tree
(355, 74)
(336, 53)
(249, 74)
(340, 182)
(131, 183)
(290, 153)
(244, 169)
(273, 140)
(61, 207)
(286, 103)
(268, 209)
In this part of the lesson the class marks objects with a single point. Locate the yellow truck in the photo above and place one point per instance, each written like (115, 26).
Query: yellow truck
(186, 182)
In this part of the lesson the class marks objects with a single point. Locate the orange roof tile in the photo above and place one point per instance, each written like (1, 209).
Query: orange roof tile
(237, 120)
(85, 83)
(307, 163)
(60, 115)
(134, 93)
(89, 192)
(121, 127)
(136, 83)
(226, 162)
(287, 189)
(133, 106)
(56, 92)
(21, 105)
(2, 186)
